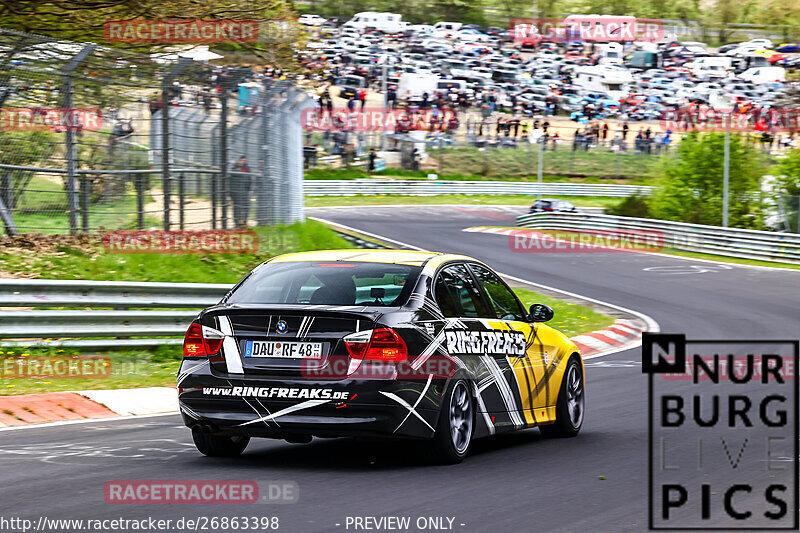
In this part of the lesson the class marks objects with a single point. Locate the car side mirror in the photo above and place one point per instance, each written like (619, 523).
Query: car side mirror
(540, 313)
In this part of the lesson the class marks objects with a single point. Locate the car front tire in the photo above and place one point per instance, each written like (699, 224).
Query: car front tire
(571, 403)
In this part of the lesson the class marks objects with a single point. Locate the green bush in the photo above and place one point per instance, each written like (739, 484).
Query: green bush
(632, 206)
(692, 186)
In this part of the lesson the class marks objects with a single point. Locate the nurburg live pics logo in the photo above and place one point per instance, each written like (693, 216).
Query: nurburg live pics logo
(722, 433)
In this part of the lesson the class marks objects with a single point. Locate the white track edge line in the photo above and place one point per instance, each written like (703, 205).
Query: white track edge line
(85, 421)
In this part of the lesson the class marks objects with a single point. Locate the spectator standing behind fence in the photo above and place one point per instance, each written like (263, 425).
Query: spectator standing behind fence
(240, 192)
(362, 96)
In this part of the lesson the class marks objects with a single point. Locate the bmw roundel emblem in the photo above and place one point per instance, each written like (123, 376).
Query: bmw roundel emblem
(281, 327)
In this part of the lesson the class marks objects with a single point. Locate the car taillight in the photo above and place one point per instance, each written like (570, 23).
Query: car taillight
(202, 341)
(383, 344)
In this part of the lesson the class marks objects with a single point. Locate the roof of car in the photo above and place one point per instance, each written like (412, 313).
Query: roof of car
(401, 257)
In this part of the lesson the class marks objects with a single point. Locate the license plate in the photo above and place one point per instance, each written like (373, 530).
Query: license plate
(288, 350)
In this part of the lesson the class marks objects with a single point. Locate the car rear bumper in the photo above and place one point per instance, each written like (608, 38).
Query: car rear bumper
(266, 406)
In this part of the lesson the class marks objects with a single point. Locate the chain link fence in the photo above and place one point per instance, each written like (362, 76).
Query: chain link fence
(95, 138)
(503, 148)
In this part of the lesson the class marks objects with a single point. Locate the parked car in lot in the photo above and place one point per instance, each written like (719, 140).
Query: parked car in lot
(350, 86)
(789, 48)
(311, 20)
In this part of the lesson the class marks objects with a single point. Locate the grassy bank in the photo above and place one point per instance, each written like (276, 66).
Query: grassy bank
(557, 165)
(64, 257)
(528, 173)
(129, 369)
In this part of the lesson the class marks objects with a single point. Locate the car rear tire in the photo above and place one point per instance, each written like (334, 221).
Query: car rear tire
(219, 445)
(571, 402)
(454, 429)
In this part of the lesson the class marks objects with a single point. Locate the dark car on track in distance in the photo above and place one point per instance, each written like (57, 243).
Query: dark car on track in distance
(551, 205)
(379, 343)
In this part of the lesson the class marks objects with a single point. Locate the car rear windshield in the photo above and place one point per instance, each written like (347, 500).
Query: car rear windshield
(328, 283)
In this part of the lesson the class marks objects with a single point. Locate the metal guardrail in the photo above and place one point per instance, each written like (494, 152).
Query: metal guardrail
(57, 324)
(113, 327)
(729, 242)
(112, 294)
(374, 186)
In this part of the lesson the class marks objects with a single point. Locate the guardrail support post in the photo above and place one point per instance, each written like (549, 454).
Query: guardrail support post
(69, 141)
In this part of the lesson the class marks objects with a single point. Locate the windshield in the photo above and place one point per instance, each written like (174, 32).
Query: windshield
(328, 283)
(351, 81)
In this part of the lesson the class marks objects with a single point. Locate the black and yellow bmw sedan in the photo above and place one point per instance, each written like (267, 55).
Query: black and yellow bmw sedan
(376, 343)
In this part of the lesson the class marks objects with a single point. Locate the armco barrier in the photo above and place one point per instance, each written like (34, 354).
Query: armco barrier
(114, 326)
(730, 242)
(377, 186)
(113, 294)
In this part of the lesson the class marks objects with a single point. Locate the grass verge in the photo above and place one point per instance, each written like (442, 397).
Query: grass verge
(569, 318)
(74, 258)
(726, 259)
(129, 369)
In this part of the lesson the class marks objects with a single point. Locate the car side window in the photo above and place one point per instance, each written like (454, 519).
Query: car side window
(504, 304)
(456, 294)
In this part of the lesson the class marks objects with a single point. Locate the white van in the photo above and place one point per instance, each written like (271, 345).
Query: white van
(451, 84)
(412, 85)
(611, 79)
(446, 29)
(763, 74)
(421, 29)
(311, 20)
(710, 67)
(385, 22)
(610, 54)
